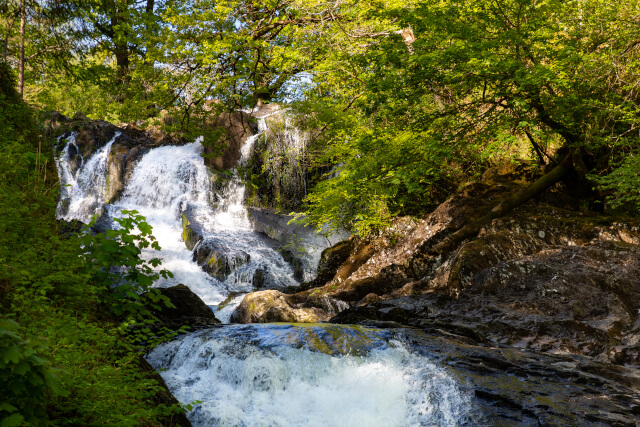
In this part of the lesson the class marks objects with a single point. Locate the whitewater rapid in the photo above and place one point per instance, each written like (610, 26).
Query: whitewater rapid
(307, 375)
(255, 375)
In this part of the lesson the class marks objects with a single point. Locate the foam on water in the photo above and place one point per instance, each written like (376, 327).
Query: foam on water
(83, 190)
(258, 375)
(285, 375)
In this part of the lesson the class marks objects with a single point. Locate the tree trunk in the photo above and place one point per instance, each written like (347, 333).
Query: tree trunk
(519, 198)
(23, 25)
(120, 42)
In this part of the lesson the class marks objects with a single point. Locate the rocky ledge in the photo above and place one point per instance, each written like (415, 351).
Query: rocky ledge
(548, 277)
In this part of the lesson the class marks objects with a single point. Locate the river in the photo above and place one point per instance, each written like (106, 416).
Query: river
(306, 375)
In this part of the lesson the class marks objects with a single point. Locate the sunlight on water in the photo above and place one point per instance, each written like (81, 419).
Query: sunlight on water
(164, 183)
(284, 375)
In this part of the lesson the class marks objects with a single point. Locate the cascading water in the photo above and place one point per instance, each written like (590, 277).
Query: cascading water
(164, 183)
(285, 375)
(271, 375)
(84, 186)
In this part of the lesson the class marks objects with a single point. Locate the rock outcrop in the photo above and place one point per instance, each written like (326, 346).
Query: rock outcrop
(302, 245)
(188, 309)
(218, 259)
(235, 128)
(545, 277)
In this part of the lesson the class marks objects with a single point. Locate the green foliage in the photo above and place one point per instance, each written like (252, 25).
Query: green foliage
(57, 292)
(27, 379)
(623, 184)
(479, 82)
(119, 273)
(383, 172)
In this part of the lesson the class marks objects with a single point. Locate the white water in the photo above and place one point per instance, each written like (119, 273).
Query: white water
(84, 190)
(283, 375)
(163, 184)
(256, 375)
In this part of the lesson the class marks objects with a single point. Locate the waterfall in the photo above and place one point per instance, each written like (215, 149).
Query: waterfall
(83, 188)
(164, 183)
(269, 375)
(285, 375)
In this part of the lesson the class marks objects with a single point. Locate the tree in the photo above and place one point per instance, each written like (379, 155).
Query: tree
(245, 51)
(557, 78)
(123, 28)
(37, 37)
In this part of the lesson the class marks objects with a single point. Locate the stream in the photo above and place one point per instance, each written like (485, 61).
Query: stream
(316, 374)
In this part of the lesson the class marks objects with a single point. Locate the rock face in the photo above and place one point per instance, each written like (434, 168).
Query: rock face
(302, 246)
(164, 397)
(274, 306)
(279, 172)
(189, 309)
(191, 229)
(218, 259)
(545, 277)
(236, 128)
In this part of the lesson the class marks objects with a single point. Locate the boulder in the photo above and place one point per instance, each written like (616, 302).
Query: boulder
(217, 259)
(189, 309)
(274, 306)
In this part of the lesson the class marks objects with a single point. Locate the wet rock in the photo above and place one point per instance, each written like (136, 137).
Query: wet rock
(330, 261)
(217, 259)
(302, 245)
(103, 223)
(91, 135)
(274, 306)
(295, 263)
(189, 309)
(191, 229)
(515, 387)
(236, 128)
(258, 278)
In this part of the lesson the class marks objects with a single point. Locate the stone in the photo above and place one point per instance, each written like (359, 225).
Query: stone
(191, 229)
(236, 129)
(189, 309)
(274, 306)
(218, 259)
(302, 245)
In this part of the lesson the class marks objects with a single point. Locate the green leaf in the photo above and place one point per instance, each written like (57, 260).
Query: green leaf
(13, 420)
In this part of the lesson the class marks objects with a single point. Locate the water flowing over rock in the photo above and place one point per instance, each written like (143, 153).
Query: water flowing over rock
(331, 375)
(315, 376)
(484, 318)
(166, 180)
(544, 277)
(278, 163)
(237, 127)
